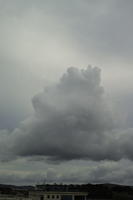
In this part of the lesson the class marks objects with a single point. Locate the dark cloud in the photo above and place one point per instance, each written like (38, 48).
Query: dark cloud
(9, 177)
(71, 118)
(120, 172)
(71, 121)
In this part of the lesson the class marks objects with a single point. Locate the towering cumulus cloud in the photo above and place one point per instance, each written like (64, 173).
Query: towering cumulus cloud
(71, 121)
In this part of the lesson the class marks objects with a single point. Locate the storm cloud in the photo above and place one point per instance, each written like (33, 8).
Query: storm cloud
(72, 120)
(120, 172)
(77, 118)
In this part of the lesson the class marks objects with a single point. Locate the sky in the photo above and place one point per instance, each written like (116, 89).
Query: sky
(66, 91)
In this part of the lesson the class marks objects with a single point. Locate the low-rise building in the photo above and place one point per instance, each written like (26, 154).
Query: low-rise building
(58, 192)
(57, 195)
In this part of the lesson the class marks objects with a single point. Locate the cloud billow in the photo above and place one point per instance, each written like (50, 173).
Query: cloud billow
(71, 120)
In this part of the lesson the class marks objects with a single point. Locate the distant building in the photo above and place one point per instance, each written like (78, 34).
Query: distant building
(58, 192)
(52, 195)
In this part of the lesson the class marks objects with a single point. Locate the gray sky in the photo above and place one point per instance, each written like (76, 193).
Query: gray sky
(56, 113)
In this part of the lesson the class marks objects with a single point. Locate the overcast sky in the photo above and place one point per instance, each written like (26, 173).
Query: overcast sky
(66, 91)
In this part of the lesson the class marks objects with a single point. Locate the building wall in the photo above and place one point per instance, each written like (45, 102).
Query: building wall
(42, 195)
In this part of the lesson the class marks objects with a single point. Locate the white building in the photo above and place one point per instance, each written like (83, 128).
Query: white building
(57, 195)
